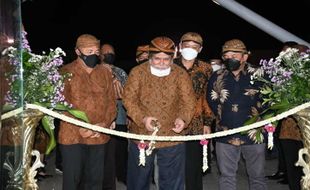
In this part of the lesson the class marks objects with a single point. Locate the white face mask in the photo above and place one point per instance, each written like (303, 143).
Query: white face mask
(216, 67)
(189, 53)
(160, 72)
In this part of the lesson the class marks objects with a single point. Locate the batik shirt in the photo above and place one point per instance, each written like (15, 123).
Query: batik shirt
(119, 79)
(165, 98)
(92, 93)
(200, 73)
(234, 100)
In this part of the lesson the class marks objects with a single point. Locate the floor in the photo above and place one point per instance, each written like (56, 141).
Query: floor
(210, 180)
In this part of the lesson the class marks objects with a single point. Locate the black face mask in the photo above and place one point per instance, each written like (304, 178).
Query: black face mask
(109, 58)
(232, 64)
(90, 60)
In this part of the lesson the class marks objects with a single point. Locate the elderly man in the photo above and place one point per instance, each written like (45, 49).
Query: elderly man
(159, 91)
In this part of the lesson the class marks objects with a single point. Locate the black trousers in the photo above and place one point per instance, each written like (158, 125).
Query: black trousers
(116, 156)
(109, 166)
(58, 159)
(281, 161)
(83, 166)
(121, 154)
(193, 165)
(290, 149)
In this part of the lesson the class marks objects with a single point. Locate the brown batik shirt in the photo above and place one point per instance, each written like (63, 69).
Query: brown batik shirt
(200, 73)
(165, 98)
(290, 129)
(92, 93)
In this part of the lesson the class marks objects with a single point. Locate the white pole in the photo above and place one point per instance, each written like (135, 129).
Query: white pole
(260, 22)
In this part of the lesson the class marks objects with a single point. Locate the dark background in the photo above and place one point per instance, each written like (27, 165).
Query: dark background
(127, 24)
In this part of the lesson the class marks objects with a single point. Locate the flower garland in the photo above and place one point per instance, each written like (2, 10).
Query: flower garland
(270, 129)
(141, 146)
(151, 146)
(204, 143)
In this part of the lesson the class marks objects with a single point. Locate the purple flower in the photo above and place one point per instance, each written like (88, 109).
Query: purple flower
(25, 43)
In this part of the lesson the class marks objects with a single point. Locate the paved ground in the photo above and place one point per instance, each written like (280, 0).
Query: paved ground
(210, 180)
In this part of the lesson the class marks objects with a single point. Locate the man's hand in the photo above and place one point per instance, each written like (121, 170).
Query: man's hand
(102, 124)
(95, 135)
(86, 133)
(206, 129)
(179, 125)
(147, 121)
(113, 125)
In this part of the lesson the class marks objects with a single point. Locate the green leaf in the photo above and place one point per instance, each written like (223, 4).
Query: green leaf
(47, 125)
(79, 114)
(266, 90)
(26, 56)
(16, 85)
(7, 107)
(267, 116)
(275, 123)
(40, 104)
(251, 120)
(61, 107)
(258, 136)
(283, 105)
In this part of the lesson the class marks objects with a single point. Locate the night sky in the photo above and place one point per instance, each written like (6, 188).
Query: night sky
(126, 25)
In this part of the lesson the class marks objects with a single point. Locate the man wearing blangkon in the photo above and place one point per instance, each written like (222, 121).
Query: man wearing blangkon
(233, 99)
(159, 91)
(90, 90)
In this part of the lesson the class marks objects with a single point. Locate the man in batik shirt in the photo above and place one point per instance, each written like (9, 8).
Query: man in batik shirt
(234, 99)
(90, 89)
(158, 91)
(116, 166)
(200, 72)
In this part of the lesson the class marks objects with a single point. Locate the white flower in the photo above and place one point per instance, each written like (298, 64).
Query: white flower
(59, 52)
(287, 54)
